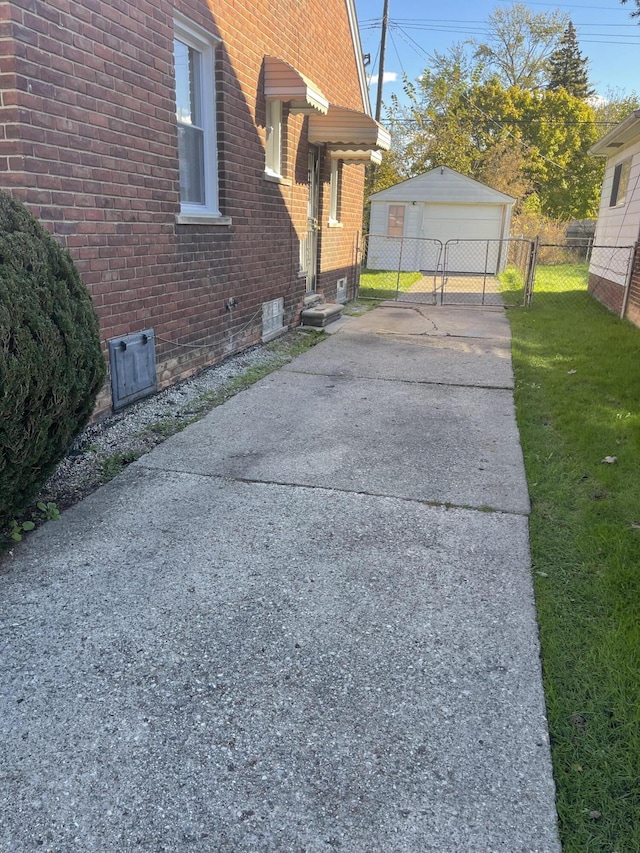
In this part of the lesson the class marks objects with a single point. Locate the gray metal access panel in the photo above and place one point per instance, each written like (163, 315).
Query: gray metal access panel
(132, 359)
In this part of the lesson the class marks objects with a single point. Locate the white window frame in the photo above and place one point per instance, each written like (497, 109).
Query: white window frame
(620, 183)
(200, 40)
(335, 186)
(273, 149)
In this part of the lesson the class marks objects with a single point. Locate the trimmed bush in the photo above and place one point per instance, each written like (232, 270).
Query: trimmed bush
(51, 365)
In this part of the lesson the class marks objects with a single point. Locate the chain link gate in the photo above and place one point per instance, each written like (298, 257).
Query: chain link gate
(458, 272)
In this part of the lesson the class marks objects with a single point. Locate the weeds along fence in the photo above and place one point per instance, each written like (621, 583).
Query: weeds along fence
(517, 271)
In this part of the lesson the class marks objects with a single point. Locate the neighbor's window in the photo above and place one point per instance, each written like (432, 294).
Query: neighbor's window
(620, 183)
(273, 164)
(335, 187)
(395, 222)
(195, 114)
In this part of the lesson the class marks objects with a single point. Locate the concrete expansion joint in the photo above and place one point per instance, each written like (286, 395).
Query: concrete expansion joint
(361, 378)
(250, 481)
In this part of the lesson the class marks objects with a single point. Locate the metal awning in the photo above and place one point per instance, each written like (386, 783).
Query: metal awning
(349, 130)
(282, 82)
(355, 155)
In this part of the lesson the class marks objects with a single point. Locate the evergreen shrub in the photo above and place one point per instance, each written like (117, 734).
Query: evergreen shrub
(51, 365)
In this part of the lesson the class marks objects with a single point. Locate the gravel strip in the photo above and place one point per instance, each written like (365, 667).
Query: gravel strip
(107, 446)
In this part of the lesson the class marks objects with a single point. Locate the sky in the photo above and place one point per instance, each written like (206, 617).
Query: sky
(608, 37)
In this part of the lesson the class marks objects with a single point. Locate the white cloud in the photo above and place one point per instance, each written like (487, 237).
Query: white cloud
(388, 77)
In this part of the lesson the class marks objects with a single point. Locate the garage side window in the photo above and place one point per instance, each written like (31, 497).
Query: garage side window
(395, 221)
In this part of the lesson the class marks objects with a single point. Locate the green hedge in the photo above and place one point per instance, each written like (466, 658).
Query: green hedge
(51, 365)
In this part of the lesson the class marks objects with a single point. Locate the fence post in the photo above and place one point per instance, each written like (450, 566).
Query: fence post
(531, 271)
(627, 282)
(357, 266)
(399, 267)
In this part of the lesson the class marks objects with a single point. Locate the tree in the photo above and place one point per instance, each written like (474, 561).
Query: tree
(614, 106)
(635, 14)
(519, 44)
(519, 141)
(567, 66)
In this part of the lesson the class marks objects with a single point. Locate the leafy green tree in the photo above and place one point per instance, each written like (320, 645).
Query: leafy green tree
(614, 106)
(635, 14)
(519, 44)
(567, 66)
(514, 139)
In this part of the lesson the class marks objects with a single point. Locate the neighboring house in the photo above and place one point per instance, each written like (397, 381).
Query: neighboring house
(203, 163)
(614, 271)
(412, 223)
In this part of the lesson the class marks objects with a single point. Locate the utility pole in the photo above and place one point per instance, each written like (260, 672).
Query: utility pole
(383, 44)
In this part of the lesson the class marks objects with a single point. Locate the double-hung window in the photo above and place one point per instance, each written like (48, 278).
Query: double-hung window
(194, 53)
(620, 183)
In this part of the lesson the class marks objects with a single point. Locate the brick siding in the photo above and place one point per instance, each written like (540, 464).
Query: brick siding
(89, 143)
(611, 294)
(633, 303)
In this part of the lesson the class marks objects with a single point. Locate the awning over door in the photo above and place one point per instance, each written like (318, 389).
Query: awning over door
(282, 82)
(355, 155)
(349, 135)
(348, 129)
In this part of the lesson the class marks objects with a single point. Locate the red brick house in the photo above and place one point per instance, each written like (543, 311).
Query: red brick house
(203, 163)
(614, 270)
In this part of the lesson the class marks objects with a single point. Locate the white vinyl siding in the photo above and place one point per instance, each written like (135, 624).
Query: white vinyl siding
(619, 226)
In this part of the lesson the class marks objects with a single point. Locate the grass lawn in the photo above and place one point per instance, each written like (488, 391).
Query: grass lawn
(384, 284)
(577, 372)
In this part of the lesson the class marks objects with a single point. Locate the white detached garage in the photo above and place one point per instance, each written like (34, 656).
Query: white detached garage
(412, 223)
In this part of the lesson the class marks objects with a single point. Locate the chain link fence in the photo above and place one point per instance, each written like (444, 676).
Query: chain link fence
(512, 272)
(464, 272)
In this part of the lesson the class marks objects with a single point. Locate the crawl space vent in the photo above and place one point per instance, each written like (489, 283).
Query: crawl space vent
(341, 290)
(272, 319)
(132, 359)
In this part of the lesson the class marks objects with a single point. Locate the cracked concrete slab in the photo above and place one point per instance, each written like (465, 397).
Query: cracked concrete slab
(392, 318)
(190, 663)
(411, 358)
(197, 658)
(421, 442)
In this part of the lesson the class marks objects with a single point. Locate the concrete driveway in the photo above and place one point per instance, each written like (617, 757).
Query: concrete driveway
(304, 624)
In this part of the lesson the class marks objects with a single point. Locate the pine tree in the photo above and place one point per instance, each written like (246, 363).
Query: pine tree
(567, 67)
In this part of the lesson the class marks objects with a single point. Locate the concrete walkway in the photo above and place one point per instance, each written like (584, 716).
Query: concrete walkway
(304, 624)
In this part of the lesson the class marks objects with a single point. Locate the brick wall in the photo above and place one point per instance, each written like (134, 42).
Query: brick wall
(89, 142)
(611, 294)
(633, 304)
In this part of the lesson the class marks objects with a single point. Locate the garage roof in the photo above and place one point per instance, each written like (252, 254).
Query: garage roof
(443, 185)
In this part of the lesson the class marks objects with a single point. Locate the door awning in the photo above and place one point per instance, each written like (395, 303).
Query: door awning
(282, 82)
(355, 155)
(349, 130)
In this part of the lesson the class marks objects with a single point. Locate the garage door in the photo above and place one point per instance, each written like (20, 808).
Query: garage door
(468, 223)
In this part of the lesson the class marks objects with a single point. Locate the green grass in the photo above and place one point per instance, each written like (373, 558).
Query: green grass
(578, 401)
(384, 284)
